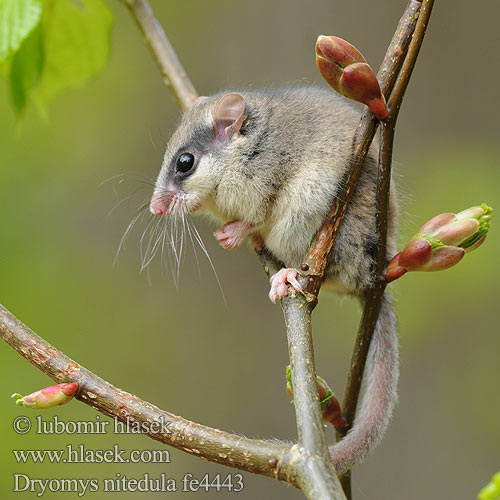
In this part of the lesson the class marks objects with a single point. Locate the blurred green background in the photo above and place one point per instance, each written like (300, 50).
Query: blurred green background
(223, 364)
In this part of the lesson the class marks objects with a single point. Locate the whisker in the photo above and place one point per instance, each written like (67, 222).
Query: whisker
(204, 250)
(173, 242)
(162, 253)
(122, 178)
(151, 222)
(121, 202)
(183, 232)
(168, 242)
(141, 211)
(166, 235)
(188, 226)
(158, 238)
(179, 241)
(154, 143)
(149, 253)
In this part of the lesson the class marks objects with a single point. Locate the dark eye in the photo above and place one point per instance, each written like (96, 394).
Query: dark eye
(185, 162)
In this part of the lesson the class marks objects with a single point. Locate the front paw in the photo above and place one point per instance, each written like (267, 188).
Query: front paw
(280, 281)
(232, 234)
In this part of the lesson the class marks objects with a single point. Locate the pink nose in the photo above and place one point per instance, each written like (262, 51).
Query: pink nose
(157, 206)
(160, 202)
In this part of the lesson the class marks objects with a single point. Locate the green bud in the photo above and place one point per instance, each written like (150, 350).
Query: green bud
(330, 406)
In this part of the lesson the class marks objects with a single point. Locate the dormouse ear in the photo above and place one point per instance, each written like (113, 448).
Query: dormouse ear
(228, 116)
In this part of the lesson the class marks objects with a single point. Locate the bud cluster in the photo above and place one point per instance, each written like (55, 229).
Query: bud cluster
(442, 242)
(346, 71)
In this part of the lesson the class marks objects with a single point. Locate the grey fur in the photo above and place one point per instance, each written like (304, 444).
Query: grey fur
(281, 175)
(287, 167)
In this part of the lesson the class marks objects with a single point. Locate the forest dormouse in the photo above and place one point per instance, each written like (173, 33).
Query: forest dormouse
(269, 164)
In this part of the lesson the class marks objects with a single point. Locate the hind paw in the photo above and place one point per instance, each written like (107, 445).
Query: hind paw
(280, 281)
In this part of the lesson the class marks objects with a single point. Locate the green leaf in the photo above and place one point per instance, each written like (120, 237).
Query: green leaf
(26, 68)
(329, 394)
(17, 20)
(289, 374)
(76, 42)
(492, 490)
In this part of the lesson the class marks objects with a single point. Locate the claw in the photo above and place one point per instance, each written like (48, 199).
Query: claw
(280, 281)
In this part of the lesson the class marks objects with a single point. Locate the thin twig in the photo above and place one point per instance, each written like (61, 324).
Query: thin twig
(403, 80)
(374, 295)
(310, 464)
(368, 320)
(170, 67)
(315, 261)
(317, 477)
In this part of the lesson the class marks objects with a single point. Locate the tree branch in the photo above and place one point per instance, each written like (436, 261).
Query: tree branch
(258, 456)
(170, 67)
(316, 259)
(374, 295)
(386, 146)
(397, 95)
(318, 479)
(310, 467)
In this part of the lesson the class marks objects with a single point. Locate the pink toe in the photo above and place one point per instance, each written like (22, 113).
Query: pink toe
(282, 290)
(280, 281)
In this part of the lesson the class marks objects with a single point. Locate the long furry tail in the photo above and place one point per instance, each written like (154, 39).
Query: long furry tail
(379, 397)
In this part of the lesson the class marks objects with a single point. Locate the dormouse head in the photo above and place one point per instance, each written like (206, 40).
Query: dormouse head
(191, 166)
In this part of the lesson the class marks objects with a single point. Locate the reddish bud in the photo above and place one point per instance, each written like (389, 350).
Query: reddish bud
(442, 242)
(48, 397)
(475, 245)
(444, 257)
(416, 254)
(358, 82)
(346, 71)
(394, 269)
(431, 227)
(337, 49)
(330, 406)
(457, 232)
